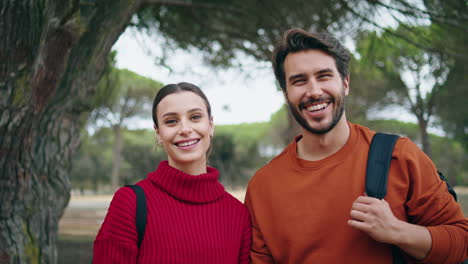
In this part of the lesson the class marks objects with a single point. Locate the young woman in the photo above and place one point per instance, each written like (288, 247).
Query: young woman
(190, 217)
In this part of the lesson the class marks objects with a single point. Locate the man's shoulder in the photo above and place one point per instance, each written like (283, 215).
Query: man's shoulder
(279, 162)
(403, 144)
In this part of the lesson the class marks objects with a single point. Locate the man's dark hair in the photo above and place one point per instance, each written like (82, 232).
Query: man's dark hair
(295, 40)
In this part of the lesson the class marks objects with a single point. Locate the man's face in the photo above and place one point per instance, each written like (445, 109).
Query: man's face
(315, 91)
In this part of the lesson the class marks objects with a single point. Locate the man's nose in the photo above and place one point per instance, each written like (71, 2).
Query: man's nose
(314, 90)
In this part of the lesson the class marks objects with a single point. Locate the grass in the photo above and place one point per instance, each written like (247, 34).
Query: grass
(463, 201)
(75, 249)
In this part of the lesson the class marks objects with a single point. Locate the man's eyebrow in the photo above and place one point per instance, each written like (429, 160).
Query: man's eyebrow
(326, 70)
(296, 76)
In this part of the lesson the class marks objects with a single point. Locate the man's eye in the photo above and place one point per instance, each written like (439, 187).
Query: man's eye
(324, 76)
(298, 81)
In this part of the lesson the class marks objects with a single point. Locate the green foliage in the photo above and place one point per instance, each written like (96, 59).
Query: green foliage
(236, 151)
(393, 57)
(447, 154)
(397, 58)
(450, 158)
(123, 94)
(141, 155)
(222, 29)
(92, 164)
(368, 88)
(395, 127)
(451, 102)
(278, 133)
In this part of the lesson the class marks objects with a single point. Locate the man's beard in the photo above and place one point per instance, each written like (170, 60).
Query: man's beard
(303, 122)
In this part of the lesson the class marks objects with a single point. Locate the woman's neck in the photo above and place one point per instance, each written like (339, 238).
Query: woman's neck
(192, 168)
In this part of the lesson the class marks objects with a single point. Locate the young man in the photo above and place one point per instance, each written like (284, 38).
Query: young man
(308, 204)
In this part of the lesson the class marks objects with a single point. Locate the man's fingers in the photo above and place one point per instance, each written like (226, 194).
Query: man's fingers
(363, 226)
(358, 215)
(360, 207)
(366, 200)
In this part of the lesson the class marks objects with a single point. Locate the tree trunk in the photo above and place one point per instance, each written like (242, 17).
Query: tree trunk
(51, 55)
(425, 142)
(116, 157)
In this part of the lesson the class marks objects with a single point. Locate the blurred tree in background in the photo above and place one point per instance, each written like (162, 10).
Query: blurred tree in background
(93, 161)
(128, 96)
(396, 59)
(451, 102)
(54, 53)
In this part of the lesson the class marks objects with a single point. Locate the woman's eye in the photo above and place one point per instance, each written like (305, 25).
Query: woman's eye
(196, 117)
(170, 121)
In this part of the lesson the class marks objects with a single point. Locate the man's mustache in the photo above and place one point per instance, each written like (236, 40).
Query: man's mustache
(302, 105)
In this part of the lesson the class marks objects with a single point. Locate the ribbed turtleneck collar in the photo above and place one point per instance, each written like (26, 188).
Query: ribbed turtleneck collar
(201, 188)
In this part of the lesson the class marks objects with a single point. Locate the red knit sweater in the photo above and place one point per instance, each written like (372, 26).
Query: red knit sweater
(191, 219)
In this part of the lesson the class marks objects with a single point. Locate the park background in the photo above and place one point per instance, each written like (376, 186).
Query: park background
(79, 77)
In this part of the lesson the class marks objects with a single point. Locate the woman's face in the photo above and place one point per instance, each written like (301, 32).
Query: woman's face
(185, 131)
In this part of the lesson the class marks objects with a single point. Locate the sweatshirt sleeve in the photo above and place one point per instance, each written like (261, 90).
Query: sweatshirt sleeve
(259, 252)
(246, 239)
(431, 205)
(116, 241)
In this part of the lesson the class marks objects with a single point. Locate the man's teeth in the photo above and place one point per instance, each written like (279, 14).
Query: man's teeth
(188, 143)
(316, 107)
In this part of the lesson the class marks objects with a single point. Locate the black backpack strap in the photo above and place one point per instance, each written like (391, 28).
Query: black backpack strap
(449, 188)
(378, 166)
(140, 216)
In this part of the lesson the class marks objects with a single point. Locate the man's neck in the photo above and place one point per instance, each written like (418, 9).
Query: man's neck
(319, 146)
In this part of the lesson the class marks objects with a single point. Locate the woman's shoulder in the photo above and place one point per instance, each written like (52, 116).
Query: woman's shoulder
(235, 203)
(125, 196)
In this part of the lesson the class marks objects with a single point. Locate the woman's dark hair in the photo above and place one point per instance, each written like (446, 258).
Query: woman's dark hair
(177, 88)
(295, 40)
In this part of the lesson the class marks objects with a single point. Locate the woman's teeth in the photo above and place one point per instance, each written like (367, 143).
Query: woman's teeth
(187, 143)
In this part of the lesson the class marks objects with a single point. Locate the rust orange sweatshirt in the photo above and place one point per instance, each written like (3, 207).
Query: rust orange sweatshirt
(300, 208)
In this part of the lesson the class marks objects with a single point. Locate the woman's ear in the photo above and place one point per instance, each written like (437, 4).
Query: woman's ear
(158, 139)
(212, 127)
(156, 130)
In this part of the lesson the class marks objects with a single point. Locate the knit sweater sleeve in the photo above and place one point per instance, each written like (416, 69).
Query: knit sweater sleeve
(246, 239)
(116, 241)
(259, 252)
(430, 204)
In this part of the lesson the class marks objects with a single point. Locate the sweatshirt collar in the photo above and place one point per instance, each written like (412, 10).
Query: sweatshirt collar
(336, 158)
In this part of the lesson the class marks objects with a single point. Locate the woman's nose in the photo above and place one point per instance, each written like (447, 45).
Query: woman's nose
(185, 128)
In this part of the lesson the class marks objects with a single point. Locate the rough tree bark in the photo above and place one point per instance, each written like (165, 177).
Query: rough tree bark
(51, 55)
